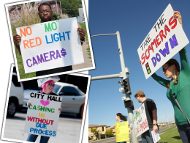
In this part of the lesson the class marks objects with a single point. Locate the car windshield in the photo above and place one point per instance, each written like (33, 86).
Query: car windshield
(56, 88)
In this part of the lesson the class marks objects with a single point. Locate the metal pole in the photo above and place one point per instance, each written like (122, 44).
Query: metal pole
(106, 77)
(109, 34)
(120, 50)
(124, 74)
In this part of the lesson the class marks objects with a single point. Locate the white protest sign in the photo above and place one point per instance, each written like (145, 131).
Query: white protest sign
(155, 136)
(165, 39)
(140, 120)
(50, 45)
(43, 114)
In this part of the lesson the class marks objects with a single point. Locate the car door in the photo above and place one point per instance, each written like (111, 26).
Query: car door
(72, 100)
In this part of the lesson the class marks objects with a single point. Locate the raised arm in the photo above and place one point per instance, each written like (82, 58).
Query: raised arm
(161, 80)
(183, 57)
(184, 61)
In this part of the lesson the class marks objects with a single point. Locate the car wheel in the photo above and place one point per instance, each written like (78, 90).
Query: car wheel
(12, 106)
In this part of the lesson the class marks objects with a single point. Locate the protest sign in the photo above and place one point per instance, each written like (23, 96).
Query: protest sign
(165, 39)
(155, 136)
(43, 114)
(122, 131)
(140, 120)
(50, 45)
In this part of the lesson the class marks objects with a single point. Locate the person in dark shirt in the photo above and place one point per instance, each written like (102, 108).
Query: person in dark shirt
(151, 114)
(46, 14)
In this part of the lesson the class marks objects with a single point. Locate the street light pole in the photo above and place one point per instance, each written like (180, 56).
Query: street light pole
(124, 75)
(122, 61)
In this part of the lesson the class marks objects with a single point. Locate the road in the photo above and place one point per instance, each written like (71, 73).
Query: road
(112, 139)
(68, 129)
(108, 140)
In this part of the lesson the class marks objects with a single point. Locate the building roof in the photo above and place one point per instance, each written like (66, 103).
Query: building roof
(95, 125)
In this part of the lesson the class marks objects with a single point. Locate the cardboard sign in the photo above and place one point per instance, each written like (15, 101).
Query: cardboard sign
(165, 39)
(43, 114)
(140, 120)
(155, 136)
(122, 131)
(50, 45)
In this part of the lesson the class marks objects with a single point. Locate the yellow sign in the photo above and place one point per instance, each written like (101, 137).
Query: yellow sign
(122, 131)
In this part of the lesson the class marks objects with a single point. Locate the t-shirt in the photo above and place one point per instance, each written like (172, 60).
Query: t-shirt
(122, 131)
(149, 107)
(180, 91)
(55, 70)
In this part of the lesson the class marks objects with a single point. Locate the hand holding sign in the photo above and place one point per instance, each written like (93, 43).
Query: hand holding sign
(155, 128)
(82, 34)
(165, 39)
(177, 15)
(17, 39)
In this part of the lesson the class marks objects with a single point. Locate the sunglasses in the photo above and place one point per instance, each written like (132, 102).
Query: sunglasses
(167, 67)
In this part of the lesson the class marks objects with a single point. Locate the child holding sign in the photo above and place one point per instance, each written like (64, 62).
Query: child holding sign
(178, 91)
(47, 85)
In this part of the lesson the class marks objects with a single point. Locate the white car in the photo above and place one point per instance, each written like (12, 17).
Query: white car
(15, 96)
(73, 99)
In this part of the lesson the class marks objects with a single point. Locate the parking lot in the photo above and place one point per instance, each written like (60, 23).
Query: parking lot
(68, 129)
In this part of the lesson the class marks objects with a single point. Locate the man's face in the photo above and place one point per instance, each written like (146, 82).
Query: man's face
(45, 13)
(139, 99)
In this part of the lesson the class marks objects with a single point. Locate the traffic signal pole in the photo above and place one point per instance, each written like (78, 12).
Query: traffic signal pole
(124, 75)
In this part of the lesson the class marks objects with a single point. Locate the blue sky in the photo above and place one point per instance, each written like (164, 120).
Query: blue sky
(134, 19)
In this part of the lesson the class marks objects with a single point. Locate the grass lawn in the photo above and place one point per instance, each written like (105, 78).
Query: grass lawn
(22, 73)
(170, 136)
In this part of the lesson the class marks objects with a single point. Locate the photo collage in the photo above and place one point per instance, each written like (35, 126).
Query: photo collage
(92, 71)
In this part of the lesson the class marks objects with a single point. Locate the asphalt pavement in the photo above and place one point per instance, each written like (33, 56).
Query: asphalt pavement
(107, 140)
(68, 131)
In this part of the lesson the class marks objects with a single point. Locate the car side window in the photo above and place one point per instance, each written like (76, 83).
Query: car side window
(69, 91)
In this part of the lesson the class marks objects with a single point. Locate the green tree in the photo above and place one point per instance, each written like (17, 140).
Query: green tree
(71, 7)
(109, 133)
(96, 133)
